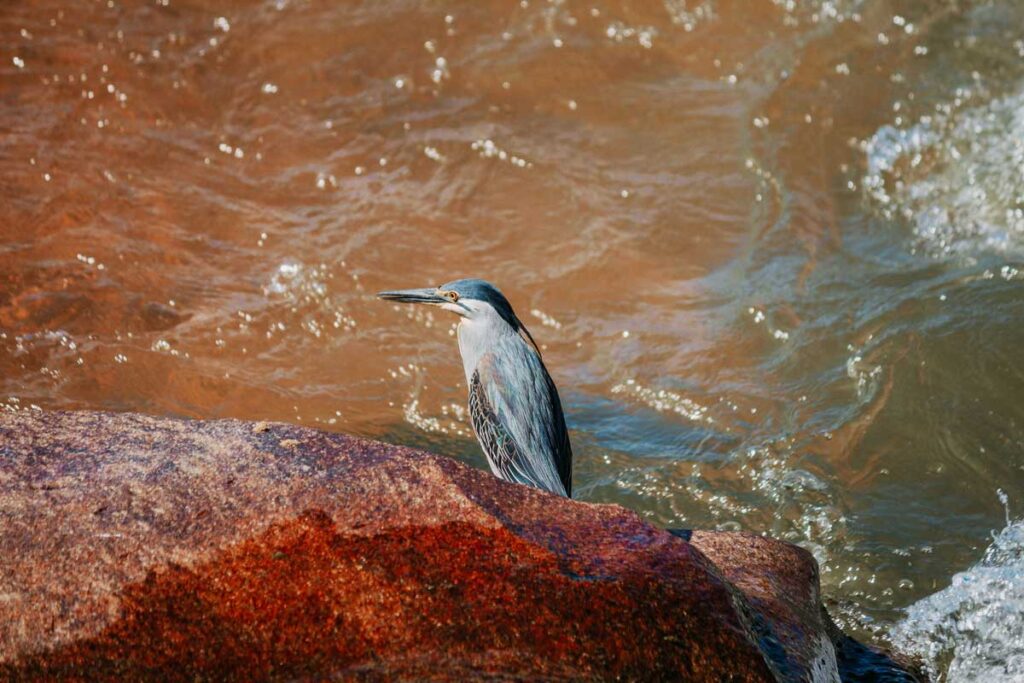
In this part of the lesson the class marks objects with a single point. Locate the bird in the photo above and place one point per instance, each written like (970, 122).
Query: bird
(513, 403)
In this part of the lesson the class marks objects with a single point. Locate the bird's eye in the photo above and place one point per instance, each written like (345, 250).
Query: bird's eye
(452, 296)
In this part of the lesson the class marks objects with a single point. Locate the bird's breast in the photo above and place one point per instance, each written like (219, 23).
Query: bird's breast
(468, 349)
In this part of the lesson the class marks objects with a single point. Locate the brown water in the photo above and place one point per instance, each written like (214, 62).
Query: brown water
(770, 249)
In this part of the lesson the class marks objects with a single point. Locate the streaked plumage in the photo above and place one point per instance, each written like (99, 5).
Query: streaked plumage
(513, 404)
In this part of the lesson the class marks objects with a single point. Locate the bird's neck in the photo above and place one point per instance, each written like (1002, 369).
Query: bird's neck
(478, 337)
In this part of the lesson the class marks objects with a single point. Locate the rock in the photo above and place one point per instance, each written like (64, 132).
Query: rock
(135, 548)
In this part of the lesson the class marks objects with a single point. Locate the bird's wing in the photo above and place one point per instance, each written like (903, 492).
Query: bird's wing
(519, 422)
(560, 438)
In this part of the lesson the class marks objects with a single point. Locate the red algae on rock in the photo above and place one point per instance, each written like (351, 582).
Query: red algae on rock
(142, 548)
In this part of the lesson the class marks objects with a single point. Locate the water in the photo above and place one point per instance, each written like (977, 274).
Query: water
(974, 629)
(773, 252)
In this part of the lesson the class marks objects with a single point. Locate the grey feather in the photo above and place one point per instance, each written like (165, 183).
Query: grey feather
(518, 417)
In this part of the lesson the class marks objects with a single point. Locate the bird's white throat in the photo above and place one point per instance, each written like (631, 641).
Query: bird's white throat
(478, 332)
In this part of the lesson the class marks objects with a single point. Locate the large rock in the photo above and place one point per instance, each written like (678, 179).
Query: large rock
(134, 547)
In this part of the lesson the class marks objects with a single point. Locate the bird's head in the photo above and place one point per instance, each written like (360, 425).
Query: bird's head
(473, 300)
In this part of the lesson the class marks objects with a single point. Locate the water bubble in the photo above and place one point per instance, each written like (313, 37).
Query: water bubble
(440, 71)
(690, 14)
(487, 149)
(545, 319)
(621, 33)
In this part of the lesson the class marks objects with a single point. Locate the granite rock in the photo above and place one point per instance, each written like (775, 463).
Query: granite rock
(135, 547)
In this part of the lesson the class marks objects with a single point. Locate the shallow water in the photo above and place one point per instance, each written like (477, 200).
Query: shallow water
(773, 251)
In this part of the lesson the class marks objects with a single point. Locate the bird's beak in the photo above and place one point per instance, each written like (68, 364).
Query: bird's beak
(428, 295)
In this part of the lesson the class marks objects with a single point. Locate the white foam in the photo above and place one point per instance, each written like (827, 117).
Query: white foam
(955, 176)
(977, 623)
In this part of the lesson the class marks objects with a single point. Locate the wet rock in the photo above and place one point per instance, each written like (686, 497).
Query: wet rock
(780, 584)
(135, 548)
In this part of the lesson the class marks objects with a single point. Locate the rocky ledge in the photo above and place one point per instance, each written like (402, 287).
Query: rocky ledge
(134, 547)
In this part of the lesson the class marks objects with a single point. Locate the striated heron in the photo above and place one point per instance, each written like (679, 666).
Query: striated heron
(513, 403)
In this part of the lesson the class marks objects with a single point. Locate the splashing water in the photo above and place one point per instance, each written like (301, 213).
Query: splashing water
(974, 629)
(957, 176)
